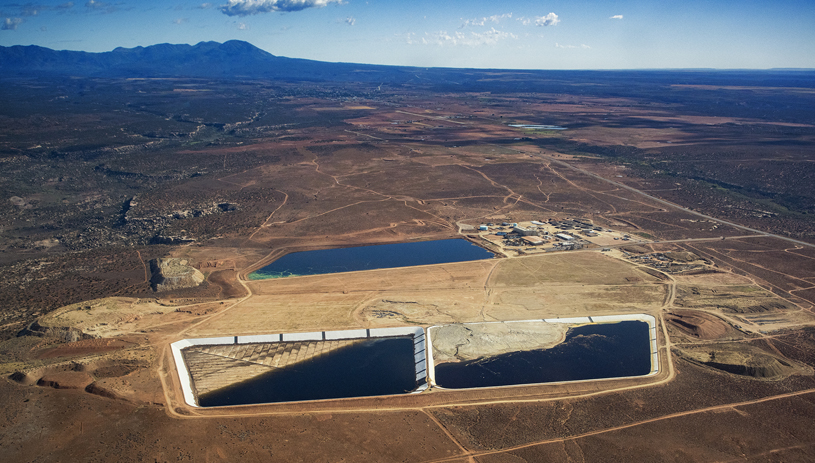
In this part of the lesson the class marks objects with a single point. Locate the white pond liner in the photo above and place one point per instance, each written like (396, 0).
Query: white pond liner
(418, 334)
(422, 345)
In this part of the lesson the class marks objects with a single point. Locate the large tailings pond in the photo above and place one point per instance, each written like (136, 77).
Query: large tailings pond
(475, 356)
(367, 368)
(286, 367)
(258, 369)
(372, 257)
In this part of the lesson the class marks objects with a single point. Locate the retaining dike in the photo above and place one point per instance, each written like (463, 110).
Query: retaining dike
(422, 345)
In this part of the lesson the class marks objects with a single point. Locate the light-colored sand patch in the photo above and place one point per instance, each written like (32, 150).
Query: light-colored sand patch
(115, 316)
(452, 343)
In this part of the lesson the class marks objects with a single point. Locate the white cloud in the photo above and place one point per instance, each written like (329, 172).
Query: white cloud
(204, 6)
(10, 24)
(473, 39)
(350, 21)
(180, 20)
(583, 46)
(242, 26)
(495, 19)
(616, 16)
(250, 7)
(32, 10)
(474, 22)
(103, 7)
(550, 19)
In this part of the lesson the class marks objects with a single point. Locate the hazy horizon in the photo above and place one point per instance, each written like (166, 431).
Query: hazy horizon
(559, 35)
(464, 68)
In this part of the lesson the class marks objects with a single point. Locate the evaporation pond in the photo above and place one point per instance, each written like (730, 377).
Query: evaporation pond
(589, 352)
(538, 127)
(372, 257)
(370, 367)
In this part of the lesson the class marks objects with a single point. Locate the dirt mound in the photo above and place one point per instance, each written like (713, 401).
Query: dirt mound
(84, 347)
(773, 368)
(745, 360)
(96, 389)
(228, 282)
(61, 333)
(700, 325)
(26, 378)
(634, 249)
(682, 256)
(116, 370)
(655, 273)
(65, 380)
(701, 271)
(77, 374)
(759, 308)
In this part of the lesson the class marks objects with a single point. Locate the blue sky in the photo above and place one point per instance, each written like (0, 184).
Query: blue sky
(575, 34)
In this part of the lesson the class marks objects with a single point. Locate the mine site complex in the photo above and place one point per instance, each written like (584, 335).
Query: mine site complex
(354, 271)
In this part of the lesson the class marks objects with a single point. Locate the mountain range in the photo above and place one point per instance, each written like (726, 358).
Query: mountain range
(235, 59)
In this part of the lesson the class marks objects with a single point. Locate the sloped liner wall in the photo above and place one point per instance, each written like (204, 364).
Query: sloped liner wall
(417, 333)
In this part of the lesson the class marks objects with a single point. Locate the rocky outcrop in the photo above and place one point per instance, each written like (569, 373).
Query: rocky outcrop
(173, 273)
(61, 333)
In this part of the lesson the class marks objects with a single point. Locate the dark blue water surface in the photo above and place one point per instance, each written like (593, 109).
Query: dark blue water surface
(372, 257)
(372, 367)
(588, 352)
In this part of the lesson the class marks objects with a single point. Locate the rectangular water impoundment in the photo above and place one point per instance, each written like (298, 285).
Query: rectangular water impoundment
(372, 257)
(288, 367)
(476, 355)
(282, 367)
(537, 127)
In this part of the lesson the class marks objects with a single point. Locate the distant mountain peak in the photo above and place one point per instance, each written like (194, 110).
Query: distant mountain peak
(204, 59)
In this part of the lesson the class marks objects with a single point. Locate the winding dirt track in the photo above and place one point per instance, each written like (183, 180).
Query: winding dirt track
(672, 205)
(630, 425)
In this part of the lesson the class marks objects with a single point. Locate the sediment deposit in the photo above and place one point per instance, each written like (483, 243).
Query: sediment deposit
(453, 343)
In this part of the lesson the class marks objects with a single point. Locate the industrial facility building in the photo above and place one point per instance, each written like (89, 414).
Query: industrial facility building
(523, 231)
(532, 240)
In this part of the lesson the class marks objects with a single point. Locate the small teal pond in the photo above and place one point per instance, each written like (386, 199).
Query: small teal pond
(372, 257)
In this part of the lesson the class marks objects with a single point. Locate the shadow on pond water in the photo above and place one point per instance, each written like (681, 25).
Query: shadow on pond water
(368, 368)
